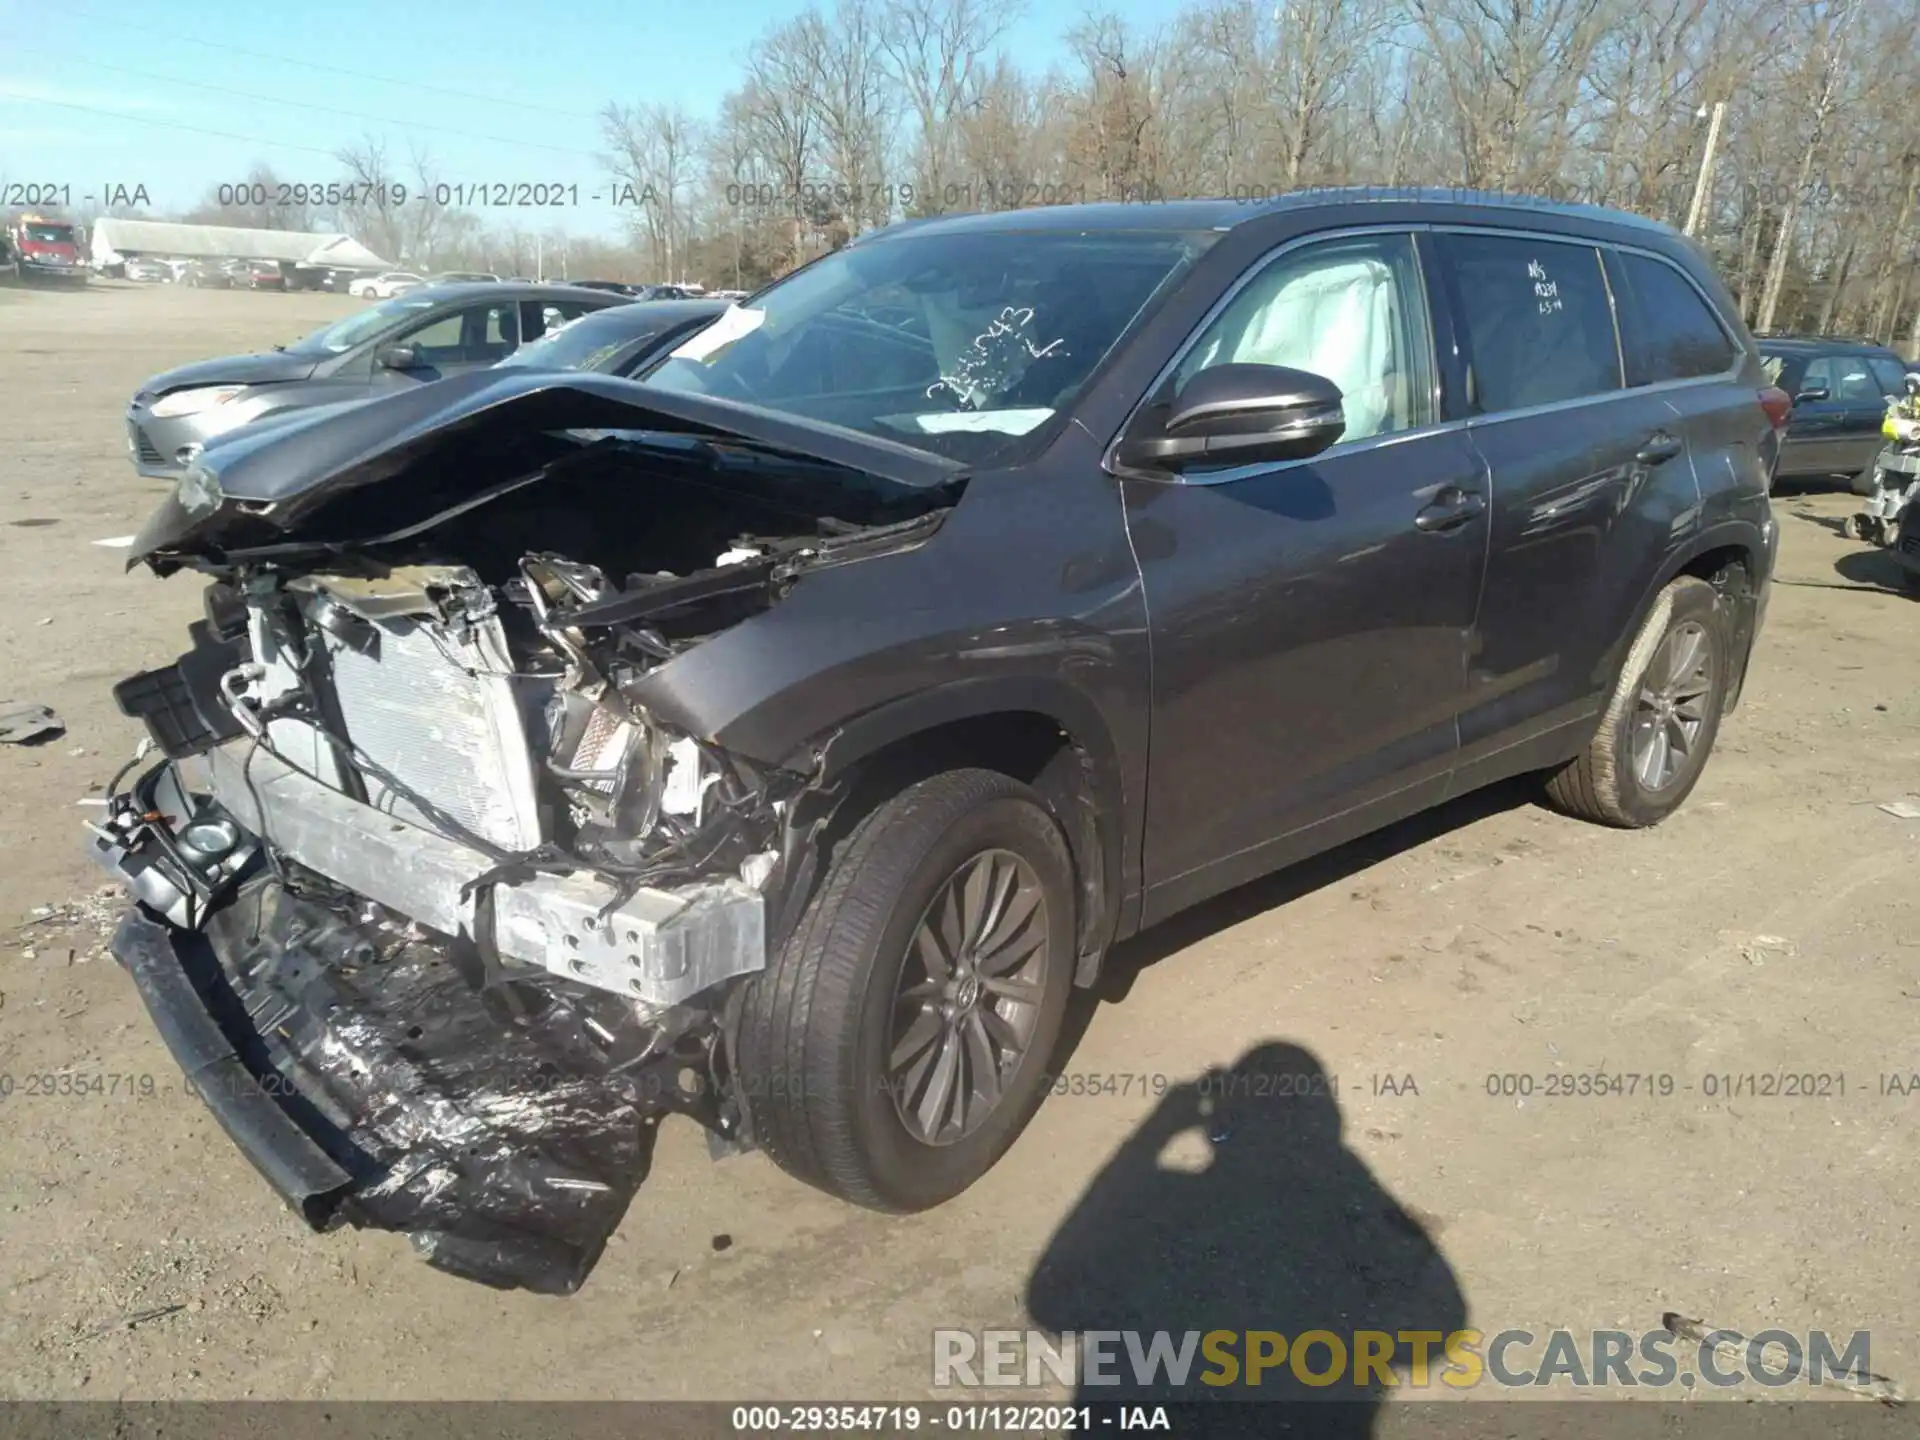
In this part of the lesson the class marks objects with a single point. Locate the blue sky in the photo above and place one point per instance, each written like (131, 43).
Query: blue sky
(106, 92)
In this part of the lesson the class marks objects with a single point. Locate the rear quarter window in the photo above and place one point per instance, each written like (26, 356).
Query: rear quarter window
(1890, 373)
(1536, 318)
(1669, 330)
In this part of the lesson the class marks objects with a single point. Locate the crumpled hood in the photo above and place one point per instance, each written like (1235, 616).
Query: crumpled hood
(270, 368)
(466, 434)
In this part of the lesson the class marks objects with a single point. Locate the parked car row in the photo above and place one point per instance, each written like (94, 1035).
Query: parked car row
(394, 282)
(773, 724)
(385, 285)
(208, 274)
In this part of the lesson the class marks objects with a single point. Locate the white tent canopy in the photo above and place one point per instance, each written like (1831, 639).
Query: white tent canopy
(116, 239)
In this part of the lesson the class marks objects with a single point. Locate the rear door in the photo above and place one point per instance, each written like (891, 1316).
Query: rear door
(1677, 345)
(1584, 472)
(1862, 394)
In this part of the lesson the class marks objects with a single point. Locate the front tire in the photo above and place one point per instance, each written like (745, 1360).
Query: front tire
(896, 1045)
(1661, 719)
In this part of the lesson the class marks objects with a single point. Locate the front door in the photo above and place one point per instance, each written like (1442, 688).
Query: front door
(1836, 416)
(467, 339)
(1309, 619)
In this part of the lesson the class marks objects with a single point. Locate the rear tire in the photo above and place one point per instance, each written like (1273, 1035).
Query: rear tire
(1659, 723)
(835, 1090)
(1862, 484)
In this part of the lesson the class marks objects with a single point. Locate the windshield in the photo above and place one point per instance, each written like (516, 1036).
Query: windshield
(581, 344)
(51, 234)
(956, 344)
(343, 335)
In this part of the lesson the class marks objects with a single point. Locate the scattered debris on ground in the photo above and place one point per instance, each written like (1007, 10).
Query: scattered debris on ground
(22, 722)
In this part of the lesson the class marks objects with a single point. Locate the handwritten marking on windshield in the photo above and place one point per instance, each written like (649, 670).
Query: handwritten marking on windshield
(996, 359)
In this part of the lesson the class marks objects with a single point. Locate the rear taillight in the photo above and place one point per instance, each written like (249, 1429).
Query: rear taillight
(1778, 405)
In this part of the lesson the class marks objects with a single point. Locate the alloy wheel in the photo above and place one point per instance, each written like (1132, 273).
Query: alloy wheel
(968, 998)
(1670, 712)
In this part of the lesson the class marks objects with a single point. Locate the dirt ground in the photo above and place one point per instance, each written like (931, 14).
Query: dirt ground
(1770, 928)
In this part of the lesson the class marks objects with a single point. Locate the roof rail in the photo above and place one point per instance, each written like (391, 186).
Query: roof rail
(1815, 335)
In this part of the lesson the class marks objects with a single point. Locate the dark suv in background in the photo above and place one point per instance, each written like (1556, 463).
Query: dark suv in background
(1840, 389)
(777, 739)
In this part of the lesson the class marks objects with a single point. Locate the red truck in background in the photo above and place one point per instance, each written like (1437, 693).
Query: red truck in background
(38, 248)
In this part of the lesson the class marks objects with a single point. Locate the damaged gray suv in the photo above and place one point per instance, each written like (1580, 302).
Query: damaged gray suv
(776, 739)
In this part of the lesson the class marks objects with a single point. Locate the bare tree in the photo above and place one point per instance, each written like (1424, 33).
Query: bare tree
(939, 53)
(376, 207)
(1512, 74)
(1010, 136)
(1317, 49)
(854, 110)
(1823, 73)
(260, 202)
(777, 107)
(651, 151)
(1117, 139)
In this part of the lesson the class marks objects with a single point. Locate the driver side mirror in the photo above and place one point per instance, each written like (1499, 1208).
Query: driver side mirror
(397, 357)
(1812, 395)
(1238, 415)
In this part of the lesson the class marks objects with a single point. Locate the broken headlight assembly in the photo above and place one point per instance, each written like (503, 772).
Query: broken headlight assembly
(179, 853)
(631, 788)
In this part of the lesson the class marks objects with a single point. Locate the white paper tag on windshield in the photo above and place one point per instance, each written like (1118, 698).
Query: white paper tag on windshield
(735, 322)
(978, 422)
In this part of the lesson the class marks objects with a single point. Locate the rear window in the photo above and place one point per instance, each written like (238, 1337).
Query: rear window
(1536, 317)
(1672, 333)
(1891, 374)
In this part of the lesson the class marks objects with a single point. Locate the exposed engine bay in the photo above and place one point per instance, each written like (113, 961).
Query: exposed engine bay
(473, 675)
(462, 911)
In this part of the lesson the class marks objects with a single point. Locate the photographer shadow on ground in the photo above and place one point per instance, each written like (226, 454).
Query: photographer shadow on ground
(1238, 1207)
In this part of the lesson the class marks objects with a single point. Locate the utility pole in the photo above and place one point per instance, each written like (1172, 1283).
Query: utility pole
(1702, 185)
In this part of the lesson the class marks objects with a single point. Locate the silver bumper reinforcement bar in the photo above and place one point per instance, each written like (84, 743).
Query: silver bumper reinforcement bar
(661, 947)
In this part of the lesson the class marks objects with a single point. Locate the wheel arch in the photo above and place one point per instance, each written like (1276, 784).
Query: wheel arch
(1733, 559)
(1041, 731)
